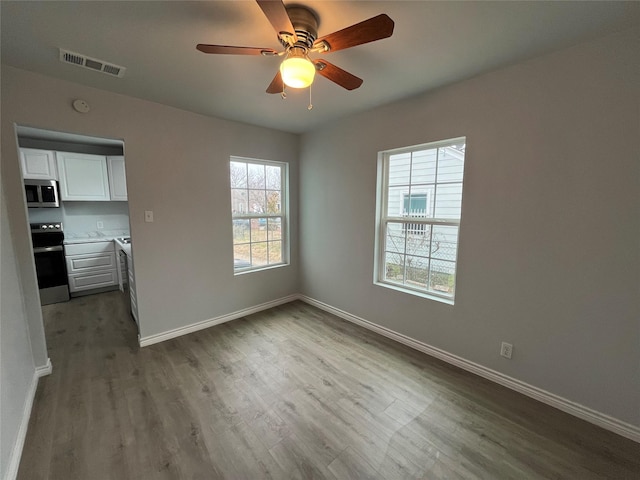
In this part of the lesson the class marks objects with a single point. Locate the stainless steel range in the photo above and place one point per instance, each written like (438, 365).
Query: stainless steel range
(51, 268)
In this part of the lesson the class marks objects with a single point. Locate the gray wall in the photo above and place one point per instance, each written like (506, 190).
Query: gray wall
(177, 165)
(549, 257)
(17, 367)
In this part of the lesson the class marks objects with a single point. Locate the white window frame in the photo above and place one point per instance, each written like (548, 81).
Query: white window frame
(283, 215)
(382, 219)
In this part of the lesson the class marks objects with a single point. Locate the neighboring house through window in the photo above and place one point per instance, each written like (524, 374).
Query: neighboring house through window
(258, 195)
(414, 205)
(419, 206)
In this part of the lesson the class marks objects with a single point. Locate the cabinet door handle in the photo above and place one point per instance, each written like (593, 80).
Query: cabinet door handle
(57, 248)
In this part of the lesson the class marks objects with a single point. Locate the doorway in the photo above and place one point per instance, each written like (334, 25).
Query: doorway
(89, 176)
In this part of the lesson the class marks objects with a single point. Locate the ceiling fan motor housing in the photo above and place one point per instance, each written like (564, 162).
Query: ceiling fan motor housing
(305, 22)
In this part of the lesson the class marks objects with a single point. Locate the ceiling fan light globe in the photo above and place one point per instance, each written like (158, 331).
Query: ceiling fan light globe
(297, 72)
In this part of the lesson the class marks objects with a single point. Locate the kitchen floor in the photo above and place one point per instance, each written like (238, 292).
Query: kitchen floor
(292, 392)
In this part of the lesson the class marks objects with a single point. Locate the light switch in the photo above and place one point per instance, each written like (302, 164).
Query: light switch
(148, 216)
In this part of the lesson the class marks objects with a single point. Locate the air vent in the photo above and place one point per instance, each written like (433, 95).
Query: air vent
(91, 63)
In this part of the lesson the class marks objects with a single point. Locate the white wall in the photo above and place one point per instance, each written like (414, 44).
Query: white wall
(17, 367)
(549, 258)
(177, 166)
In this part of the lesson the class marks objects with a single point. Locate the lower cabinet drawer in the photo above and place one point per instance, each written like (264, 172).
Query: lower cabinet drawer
(88, 248)
(93, 261)
(87, 281)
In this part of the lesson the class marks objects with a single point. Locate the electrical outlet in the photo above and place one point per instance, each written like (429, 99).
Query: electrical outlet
(100, 225)
(506, 349)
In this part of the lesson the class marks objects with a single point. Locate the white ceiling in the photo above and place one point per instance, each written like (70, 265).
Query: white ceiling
(434, 44)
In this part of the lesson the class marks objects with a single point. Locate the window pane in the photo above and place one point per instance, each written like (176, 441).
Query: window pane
(445, 243)
(240, 231)
(442, 277)
(275, 252)
(448, 201)
(421, 203)
(418, 239)
(274, 177)
(395, 201)
(256, 176)
(241, 256)
(423, 167)
(450, 165)
(417, 270)
(394, 267)
(274, 229)
(258, 254)
(257, 201)
(239, 201)
(415, 229)
(395, 238)
(258, 229)
(238, 174)
(415, 204)
(273, 202)
(399, 169)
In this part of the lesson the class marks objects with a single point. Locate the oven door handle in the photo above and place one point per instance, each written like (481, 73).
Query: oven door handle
(57, 248)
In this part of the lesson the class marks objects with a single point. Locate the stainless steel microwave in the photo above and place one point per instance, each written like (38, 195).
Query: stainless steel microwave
(41, 193)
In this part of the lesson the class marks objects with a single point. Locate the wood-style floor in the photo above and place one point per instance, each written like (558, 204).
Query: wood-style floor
(292, 392)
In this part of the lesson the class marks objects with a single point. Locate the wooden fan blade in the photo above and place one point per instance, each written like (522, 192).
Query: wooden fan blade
(231, 50)
(375, 28)
(276, 13)
(337, 75)
(276, 85)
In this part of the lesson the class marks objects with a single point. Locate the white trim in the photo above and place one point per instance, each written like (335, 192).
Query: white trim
(45, 369)
(194, 327)
(607, 422)
(16, 452)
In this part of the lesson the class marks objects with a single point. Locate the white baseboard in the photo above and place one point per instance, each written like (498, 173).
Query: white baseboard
(16, 452)
(194, 327)
(607, 422)
(44, 370)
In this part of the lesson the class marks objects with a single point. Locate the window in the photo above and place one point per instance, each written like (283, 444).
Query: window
(419, 204)
(415, 205)
(259, 213)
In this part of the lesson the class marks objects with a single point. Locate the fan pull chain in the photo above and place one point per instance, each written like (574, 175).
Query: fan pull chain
(283, 94)
(310, 104)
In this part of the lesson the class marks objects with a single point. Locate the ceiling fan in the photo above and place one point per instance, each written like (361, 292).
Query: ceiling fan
(297, 29)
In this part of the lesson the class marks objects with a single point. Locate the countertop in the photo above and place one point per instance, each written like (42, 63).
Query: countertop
(90, 237)
(125, 247)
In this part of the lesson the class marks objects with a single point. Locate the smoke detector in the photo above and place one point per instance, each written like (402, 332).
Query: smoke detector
(81, 106)
(94, 64)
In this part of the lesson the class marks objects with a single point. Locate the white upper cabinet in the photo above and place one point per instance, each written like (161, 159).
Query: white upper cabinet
(38, 164)
(83, 176)
(117, 178)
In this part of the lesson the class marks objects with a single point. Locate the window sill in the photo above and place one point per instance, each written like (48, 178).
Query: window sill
(417, 293)
(259, 269)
